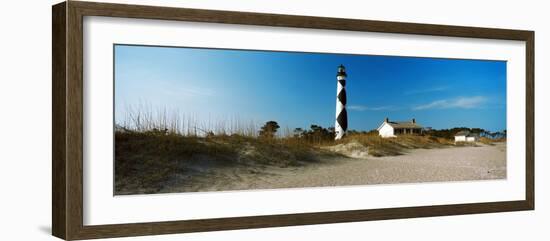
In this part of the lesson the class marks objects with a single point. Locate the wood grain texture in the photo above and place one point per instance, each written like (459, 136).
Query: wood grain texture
(530, 120)
(59, 192)
(67, 197)
(74, 135)
(280, 20)
(155, 228)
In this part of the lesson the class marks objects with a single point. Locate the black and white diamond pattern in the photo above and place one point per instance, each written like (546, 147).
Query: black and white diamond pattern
(341, 124)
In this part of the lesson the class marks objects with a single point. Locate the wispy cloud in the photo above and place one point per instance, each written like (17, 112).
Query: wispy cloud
(195, 91)
(190, 91)
(460, 103)
(367, 108)
(427, 90)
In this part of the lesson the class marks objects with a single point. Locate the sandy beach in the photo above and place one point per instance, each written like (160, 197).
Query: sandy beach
(482, 162)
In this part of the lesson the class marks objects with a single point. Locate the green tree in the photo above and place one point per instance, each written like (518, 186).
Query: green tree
(298, 132)
(269, 129)
(318, 134)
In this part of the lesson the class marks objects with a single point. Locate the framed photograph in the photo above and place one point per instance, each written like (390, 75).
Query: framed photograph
(172, 120)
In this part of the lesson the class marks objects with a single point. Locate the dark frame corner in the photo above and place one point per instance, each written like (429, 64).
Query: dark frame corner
(67, 123)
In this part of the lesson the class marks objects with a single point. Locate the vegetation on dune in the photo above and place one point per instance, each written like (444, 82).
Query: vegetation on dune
(378, 146)
(449, 133)
(150, 150)
(147, 160)
(269, 129)
(491, 141)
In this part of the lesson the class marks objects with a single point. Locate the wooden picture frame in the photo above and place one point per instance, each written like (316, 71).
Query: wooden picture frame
(67, 159)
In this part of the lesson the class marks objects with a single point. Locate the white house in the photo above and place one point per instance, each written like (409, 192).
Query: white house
(466, 136)
(393, 128)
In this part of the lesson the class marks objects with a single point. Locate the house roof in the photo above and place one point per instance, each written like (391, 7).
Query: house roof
(401, 124)
(465, 133)
(404, 124)
(462, 133)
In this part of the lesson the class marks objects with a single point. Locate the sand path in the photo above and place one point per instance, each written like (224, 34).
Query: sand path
(418, 165)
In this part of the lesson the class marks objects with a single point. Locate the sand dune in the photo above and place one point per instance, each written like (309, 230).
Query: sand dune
(417, 165)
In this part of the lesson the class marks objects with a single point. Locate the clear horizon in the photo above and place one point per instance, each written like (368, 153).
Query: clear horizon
(299, 89)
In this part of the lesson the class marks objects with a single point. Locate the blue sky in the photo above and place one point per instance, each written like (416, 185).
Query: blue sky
(299, 89)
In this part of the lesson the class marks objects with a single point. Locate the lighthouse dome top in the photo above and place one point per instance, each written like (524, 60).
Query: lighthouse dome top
(341, 70)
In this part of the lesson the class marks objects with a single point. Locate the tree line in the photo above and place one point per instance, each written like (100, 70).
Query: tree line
(317, 133)
(450, 133)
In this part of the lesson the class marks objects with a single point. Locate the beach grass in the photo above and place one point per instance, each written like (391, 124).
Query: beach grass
(154, 147)
(379, 146)
(491, 141)
(146, 160)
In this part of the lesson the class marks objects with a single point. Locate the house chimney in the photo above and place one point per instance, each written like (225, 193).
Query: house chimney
(386, 120)
(414, 121)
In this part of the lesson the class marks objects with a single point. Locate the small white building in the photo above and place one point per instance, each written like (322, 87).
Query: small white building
(393, 128)
(466, 136)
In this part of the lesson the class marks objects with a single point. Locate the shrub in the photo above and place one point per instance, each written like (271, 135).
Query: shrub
(269, 129)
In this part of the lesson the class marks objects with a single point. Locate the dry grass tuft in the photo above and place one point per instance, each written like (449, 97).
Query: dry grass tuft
(378, 146)
(489, 141)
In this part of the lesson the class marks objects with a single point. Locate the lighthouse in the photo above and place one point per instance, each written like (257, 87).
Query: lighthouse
(341, 124)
